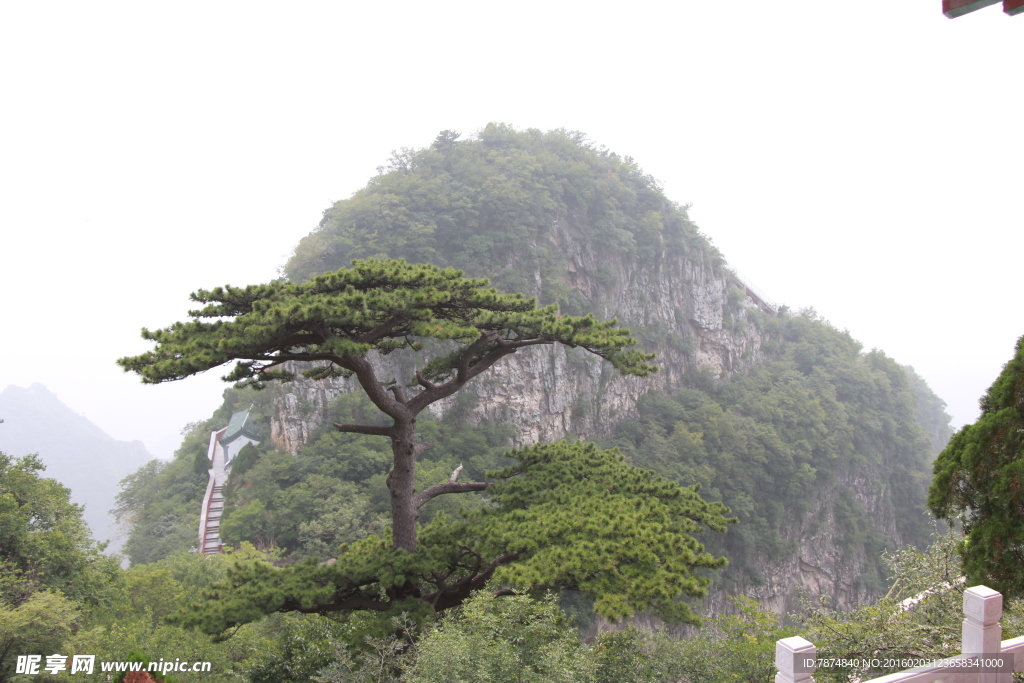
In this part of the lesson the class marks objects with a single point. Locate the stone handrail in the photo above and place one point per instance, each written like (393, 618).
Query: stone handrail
(795, 657)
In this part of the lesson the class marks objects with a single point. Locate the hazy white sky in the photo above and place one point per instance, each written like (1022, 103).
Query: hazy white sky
(863, 158)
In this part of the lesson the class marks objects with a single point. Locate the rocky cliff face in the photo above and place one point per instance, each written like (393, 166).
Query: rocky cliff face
(680, 307)
(821, 564)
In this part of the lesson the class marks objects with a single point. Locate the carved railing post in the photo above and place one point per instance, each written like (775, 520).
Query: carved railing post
(982, 632)
(794, 660)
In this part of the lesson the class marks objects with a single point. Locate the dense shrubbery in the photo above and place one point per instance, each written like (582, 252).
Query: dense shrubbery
(521, 639)
(50, 568)
(512, 638)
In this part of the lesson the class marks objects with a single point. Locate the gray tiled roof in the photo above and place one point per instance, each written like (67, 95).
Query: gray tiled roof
(239, 425)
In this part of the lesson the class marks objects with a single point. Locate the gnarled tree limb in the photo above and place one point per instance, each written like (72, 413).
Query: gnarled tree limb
(448, 487)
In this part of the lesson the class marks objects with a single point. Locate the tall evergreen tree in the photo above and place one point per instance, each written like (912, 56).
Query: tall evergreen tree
(979, 480)
(338, 318)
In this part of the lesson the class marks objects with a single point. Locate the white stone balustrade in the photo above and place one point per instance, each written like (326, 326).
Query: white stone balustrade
(982, 634)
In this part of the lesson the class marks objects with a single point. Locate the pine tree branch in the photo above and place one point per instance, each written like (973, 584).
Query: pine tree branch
(424, 382)
(436, 392)
(520, 343)
(372, 430)
(472, 350)
(352, 602)
(426, 495)
(458, 592)
(374, 388)
(381, 331)
(280, 357)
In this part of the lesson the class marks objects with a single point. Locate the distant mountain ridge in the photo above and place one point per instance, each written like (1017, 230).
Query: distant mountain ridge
(76, 452)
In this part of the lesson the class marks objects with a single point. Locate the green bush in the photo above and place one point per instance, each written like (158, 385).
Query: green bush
(513, 639)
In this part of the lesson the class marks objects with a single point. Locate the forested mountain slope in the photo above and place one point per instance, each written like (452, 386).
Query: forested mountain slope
(822, 451)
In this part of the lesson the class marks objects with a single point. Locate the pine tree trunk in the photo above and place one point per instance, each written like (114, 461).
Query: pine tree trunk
(402, 485)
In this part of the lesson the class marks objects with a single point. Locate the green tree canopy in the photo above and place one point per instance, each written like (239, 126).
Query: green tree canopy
(49, 565)
(44, 543)
(979, 481)
(513, 639)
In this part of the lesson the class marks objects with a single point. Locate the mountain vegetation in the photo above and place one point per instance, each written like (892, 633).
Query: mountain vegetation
(820, 411)
(59, 594)
(49, 564)
(119, 615)
(759, 443)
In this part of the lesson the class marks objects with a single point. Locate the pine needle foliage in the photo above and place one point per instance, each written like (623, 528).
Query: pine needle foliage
(582, 519)
(377, 305)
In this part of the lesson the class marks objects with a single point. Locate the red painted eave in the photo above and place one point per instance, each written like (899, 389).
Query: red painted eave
(958, 8)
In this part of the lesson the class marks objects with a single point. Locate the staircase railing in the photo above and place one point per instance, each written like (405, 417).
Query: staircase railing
(759, 297)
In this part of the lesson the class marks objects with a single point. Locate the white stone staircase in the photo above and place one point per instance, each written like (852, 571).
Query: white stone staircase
(211, 532)
(236, 437)
(213, 500)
